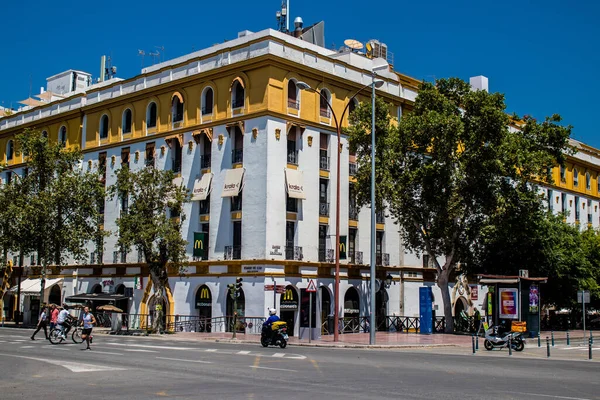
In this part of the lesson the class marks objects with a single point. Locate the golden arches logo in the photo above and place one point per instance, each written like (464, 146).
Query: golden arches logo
(289, 295)
(198, 244)
(342, 247)
(204, 293)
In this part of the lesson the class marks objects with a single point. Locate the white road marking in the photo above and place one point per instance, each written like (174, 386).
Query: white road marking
(71, 365)
(243, 352)
(549, 395)
(184, 360)
(141, 350)
(274, 369)
(27, 347)
(104, 352)
(278, 355)
(152, 347)
(211, 350)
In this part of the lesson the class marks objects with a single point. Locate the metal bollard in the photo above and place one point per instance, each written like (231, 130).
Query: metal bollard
(476, 342)
(510, 345)
(568, 338)
(591, 337)
(590, 349)
(547, 347)
(473, 340)
(552, 334)
(539, 339)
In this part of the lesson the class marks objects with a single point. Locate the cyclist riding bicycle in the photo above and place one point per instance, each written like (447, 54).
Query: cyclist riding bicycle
(64, 321)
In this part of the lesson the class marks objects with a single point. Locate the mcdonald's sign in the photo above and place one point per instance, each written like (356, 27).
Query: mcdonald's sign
(342, 249)
(203, 297)
(200, 245)
(289, 299)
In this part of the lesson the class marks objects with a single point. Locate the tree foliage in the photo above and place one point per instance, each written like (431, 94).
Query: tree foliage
(52, 207)
(148, 225)
(450, 165)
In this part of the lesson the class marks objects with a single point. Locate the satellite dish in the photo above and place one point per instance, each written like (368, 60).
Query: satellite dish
(353, 44)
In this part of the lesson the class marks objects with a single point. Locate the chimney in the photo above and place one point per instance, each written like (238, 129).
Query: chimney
(298, 25)
(479, 83)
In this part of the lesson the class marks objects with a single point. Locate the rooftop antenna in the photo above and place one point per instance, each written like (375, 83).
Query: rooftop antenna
(155, 55)
(354, 45)
(161, 52)
(142, 53)
(283, 19)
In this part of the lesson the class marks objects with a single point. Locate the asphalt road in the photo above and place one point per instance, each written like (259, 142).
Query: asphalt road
(147, 368)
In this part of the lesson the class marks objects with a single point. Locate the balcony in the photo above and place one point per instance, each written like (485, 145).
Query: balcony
(353, 213)
(149, 162)
(204, 207)
(352, 168)
(233, 252)
(295, 104)
(324, 163)
(291, 205)
(292, 157)
(380, 217)
(324, 112)
(326, 255)
(236, 203)
(293, 253)
(324, 209)
(356, 257)
(205, 161)
(176, 166)
(237, 156)
(589, 218)
(382, 259)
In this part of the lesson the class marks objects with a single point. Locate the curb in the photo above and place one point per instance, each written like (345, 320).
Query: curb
(340, 345)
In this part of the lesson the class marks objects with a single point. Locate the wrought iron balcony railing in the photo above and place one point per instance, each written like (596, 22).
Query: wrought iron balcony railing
(324, 209)
(324, 163)
(233, 252)
(353, 212)
(295, 104)
(326, 255)
(380, 217)
(205, 161)
(292, 157)
(325, 112)
(237, 156)
(293, 253)
(356, 257)
(352, 167)
(382, 259)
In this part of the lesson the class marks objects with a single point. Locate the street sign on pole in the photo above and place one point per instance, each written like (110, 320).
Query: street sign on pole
(583, 296)
(312, 286)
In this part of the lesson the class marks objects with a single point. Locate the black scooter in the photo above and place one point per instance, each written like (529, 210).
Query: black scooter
(275, 335)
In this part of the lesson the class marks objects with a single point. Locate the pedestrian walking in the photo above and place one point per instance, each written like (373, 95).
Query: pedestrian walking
(88, 323)
(53, 316)
(42, 323)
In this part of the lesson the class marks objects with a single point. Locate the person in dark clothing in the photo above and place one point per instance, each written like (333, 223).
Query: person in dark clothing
(42, 324)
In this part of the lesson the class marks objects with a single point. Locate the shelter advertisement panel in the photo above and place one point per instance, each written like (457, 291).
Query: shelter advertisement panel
(509, 303)
(534, 299)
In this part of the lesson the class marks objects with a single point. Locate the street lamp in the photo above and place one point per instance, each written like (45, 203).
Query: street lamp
(304, 86)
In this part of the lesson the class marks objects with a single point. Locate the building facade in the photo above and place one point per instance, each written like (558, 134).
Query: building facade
(258, 155)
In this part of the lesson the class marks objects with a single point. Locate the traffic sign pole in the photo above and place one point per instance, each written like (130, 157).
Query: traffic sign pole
(311, 288)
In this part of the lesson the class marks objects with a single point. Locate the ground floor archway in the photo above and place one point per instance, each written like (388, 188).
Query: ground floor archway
(288, 306)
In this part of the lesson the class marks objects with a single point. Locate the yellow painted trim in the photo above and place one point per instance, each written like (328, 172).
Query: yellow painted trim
(171, 300)
(291, 216)
(144, 303)
(324, 174)
(323, 220)
(205, 218)
(380, 227)
(236, 215)
(292, 166)
(292, 111)
(326, 121)
(237, 165)
(352, 179)
(353, 224)
(205, 171)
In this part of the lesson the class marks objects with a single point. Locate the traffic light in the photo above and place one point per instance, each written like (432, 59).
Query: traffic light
(231, 288)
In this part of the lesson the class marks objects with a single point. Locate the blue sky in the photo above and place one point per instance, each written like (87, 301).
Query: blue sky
(544, 55)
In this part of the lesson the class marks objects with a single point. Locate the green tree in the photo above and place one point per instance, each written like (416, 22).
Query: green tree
(149, 226)
(53, 204)
(450, 165)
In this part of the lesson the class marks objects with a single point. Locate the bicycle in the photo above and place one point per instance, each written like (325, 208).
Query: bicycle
(55, 335)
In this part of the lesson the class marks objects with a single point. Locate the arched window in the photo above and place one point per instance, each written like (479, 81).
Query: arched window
(45, 134)
(104, 127)
(293, 95)
(324, 98)
(237, 95)
(97, 288)
(176, 108)
(151, 115)
(575, 177)
(10, 150)
(563, 173)
(62, 136)
(588, 181)
(207, 101)
(351, 108)
(126, 123)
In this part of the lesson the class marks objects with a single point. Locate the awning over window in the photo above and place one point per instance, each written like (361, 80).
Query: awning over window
(202, 187)
(32, 287)
(233, 182)
(295, 183)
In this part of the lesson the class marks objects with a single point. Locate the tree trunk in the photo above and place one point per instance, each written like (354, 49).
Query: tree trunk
(442, 282)
(159, 290)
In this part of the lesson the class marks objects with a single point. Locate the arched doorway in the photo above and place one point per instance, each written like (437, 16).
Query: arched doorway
(288, 306)
(54, 296)
(326, 313)
(158, 301)
(351, 310)
(204, 307)
(97, 288)
(241, 310)
(122, 304)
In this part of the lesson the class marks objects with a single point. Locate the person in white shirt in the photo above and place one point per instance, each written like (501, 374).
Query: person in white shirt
(63, 321)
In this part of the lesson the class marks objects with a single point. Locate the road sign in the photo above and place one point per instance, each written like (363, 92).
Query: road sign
(269, 288)
(583, 296)
(312, 286)
(280, 289)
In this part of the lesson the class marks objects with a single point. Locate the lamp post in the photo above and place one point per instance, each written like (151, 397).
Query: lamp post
(338, 128)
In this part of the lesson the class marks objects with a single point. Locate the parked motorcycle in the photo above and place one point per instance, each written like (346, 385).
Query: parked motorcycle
(495, 338)
(275, 335)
